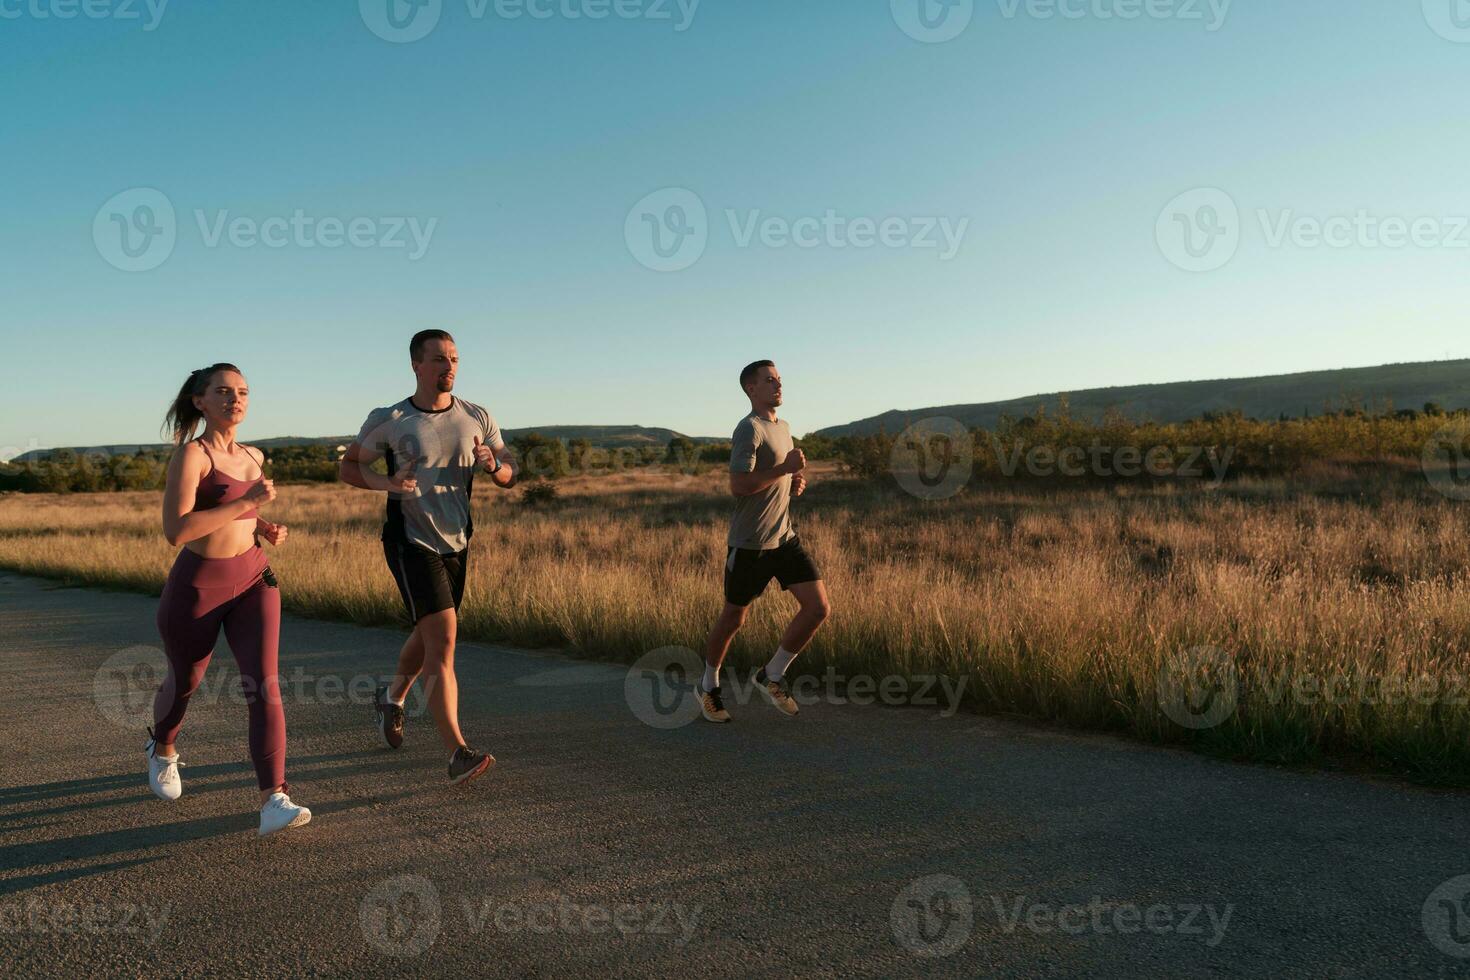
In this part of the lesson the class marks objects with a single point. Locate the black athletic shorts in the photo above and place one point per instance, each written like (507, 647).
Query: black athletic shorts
(429, 582)
(747, 572)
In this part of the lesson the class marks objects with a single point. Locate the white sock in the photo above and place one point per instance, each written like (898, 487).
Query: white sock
(391, 698)
(776, 669)
(711, 678)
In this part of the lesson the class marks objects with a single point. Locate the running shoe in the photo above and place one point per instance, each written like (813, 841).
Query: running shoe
(711, 705)
(390, 718)
(163, 772)
(776, 692)
(466, 764)
(279, 813)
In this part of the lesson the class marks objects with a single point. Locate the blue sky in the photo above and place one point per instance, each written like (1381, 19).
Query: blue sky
(1051, 141)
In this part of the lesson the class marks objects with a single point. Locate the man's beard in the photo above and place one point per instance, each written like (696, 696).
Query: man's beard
(446, 384)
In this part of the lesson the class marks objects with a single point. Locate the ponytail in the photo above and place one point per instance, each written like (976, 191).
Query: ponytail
(183, 417)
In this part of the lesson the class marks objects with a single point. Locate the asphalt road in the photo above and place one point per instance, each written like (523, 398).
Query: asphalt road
(852, 840)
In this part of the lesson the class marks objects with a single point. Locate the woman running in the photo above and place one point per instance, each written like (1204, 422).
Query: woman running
(220, 578)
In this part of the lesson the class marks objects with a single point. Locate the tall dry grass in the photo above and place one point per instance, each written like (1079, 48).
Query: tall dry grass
(1063, 604)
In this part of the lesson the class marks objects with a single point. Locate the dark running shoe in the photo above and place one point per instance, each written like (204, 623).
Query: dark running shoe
(466, 764)
(776, 692)
(390, 718)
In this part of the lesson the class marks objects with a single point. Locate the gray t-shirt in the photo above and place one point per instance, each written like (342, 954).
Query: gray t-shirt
(437, 515)
(762, 520)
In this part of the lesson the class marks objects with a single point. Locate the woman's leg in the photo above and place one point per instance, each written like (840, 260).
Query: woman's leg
(188, 622)
(253, 627)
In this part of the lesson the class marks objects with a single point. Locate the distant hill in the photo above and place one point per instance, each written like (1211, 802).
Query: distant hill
(604, 436)
(1446, 383)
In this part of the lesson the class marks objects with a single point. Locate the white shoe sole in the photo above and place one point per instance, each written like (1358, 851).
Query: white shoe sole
(304, 817)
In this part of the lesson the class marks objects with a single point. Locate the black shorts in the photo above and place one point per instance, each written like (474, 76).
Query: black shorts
(429, 582)
(747, 572)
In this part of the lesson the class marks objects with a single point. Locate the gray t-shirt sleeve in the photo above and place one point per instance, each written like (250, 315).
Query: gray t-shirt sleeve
(373, 436)
(743, 446)
(491, 432)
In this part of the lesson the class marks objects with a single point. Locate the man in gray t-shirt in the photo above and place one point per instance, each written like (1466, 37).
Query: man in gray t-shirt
(763, 519)
(766, 471)
(438, 445)
(432, 445)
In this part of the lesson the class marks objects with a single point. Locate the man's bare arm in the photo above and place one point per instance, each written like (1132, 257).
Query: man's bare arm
(745, 484)
(355, 470)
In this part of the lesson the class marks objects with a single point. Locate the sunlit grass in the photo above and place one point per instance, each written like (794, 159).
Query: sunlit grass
(1058, 604)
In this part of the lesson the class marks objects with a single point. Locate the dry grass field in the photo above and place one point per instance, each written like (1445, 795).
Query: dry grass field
(1335, 605)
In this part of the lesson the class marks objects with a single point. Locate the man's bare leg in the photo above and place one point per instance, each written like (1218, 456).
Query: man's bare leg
(771, 679)
(410, 663)
(437, 633)
(809, 618)
(732, 617)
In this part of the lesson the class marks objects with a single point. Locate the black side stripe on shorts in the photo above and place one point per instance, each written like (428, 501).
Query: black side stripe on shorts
(413, 612)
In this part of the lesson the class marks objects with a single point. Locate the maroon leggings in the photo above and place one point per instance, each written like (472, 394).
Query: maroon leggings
(202, 595)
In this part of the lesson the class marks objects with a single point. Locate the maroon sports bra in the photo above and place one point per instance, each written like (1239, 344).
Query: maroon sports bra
(217, 488)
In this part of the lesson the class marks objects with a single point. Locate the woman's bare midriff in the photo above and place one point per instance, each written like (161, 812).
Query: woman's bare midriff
(230, 541)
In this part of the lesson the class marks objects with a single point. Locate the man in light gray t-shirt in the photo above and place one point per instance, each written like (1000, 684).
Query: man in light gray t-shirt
(432, 444)
(439, 446)
(766, 472)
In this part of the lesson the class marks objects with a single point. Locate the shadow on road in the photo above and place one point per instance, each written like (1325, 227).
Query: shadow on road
(134, 839)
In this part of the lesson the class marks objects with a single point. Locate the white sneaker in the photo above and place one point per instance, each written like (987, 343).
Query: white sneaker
(163, 774)
(279, 813)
